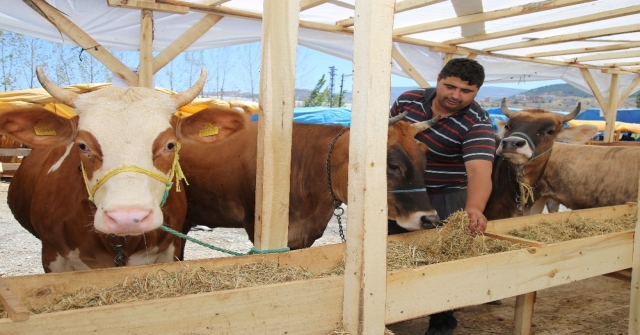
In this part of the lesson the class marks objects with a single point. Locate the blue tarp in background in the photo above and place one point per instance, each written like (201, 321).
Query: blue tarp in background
(629, 115)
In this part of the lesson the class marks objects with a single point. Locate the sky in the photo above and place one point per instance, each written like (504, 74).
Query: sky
(321, 63)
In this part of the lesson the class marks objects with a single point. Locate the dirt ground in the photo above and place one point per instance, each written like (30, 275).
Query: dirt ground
(594, 306)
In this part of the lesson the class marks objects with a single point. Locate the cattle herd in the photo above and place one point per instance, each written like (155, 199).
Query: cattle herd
(97, 187)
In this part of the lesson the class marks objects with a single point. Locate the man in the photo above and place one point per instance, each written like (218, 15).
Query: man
(461, 151)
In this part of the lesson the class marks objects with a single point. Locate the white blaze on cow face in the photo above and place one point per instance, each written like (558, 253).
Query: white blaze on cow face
(118, 127)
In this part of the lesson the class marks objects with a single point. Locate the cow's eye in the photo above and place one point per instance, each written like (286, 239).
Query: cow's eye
(506, 127)
(394, 167)
(83, 147)
(551, 131)
(170, 146)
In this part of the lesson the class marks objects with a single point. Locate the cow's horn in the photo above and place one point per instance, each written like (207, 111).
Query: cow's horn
(395, 119)
(503, 106)
(424, 125)
(66, 97)
(573, 113)
(185, 97)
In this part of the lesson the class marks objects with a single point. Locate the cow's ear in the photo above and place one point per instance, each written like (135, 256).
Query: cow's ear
(501, 130)
(579, 135)
(37, 127)
(211, 125)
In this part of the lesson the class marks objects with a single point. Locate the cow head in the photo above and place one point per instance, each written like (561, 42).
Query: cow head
(127, 146)
(529, 134)
(408, 202)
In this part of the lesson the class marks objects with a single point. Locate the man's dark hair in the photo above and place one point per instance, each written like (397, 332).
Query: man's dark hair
(466, 69)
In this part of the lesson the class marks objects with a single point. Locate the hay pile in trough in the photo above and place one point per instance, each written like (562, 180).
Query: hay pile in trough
(450, 242)
(575, 228)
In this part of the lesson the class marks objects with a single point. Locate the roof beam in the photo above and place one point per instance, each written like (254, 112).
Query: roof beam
(469, 7)
(549, 25)
(343, 4)
(308, 4)
(621, 64)
(408, 68)
(142, 4)
(568, 37)
(594, 87)
(610, 55)
(487, 16)
(214, 2)
(406, 5)
(630, 89)
(612, 47)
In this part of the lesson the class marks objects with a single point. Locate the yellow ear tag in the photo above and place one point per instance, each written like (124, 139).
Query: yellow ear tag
(42, 131)
(208, 130)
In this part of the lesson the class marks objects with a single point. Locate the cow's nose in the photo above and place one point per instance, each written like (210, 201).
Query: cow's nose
(429, 221)
(513, 142)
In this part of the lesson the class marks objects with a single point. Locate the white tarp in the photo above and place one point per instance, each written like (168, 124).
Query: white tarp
(119, 29)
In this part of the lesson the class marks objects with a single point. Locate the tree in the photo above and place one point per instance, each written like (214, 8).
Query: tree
(318, 96)
(8, 78)
(638, 100)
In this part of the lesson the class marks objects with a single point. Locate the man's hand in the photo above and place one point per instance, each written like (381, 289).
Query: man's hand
(477, 221)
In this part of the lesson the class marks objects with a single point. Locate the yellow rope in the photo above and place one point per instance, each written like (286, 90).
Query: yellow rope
(526, 192)
(176, 171)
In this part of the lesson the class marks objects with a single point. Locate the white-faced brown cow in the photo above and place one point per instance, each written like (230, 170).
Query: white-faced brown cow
(222, 179)
(96, 188)
(531, 165)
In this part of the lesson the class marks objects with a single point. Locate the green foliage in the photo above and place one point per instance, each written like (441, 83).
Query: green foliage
(559, 90)
(318, 96)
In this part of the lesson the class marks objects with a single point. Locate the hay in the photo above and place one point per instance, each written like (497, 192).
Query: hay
(341, 331)
(451, 242)
(575, 228)
(3, 313)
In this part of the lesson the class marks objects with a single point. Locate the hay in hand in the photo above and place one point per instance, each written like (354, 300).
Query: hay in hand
(575, 228)
(451, 242)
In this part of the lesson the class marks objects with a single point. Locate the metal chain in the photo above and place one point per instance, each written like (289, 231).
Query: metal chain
(120, 259)
(520, 179)
(337, 211)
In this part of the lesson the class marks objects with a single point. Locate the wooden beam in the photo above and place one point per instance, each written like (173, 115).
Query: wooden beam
(365, 281)
(308, 4)
(487, 16)
(548, 25)
(408, 68)
(85, 41)
(346, 22)
(277, 84)
(634, 305)
(145, 70)
(342, 4)
(616, 71)
(214, 2)
(524, 313)
(618, 64)
(447, 57)
(469, 7)
(612, 109)
(184, 41)
(594, 88)
(610, 55)
(9, 166)
(15, 151)
(15, 308)
(141, 4)
(630, 89)
(612, 47)
(406, 5)
(568, 37)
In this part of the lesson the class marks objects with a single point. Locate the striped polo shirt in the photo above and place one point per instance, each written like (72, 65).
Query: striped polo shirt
(463, 136)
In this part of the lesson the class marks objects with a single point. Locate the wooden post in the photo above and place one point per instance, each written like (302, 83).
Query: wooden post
(365, 268)
(612, 109)
(277, 84)
(145, 72)
(634, 305)
(523, 313)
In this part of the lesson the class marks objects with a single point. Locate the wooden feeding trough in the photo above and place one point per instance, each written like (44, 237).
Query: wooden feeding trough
(314, 306)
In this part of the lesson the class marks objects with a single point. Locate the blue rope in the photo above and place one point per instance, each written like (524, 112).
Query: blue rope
(424, 189)
(213, 247)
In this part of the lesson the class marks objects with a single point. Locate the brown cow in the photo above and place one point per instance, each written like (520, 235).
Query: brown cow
(222, 180)
(96, 188)
(526, 147)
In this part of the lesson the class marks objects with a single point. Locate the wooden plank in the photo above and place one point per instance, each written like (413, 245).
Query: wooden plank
(308, 4)
(487, 16)
(14, 306)
(609, 55)
(214, 2)
(549, 25)
(184, 41)
(277, 83)
(630, 89)
(514, 239)
(9, 166)
(567, 37)
(405, 5)
(504, 226)
(365, 259)
(594, 88)
(612, 47)
(145, 69)
(524, 313)
(15, 151)
(612, 109)
(61, 22)
(634, 304)
(487, 278)
(150, 5)
(408, 68)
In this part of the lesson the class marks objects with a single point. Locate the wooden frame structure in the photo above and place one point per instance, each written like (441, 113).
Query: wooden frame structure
(360, 293)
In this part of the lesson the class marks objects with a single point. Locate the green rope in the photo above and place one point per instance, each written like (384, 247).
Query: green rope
(213, 247)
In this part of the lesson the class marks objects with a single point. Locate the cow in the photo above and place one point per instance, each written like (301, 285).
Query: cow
(526, 155)
(96, 188)
(222, 179)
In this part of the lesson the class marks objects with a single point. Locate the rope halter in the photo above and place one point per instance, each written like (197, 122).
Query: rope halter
(531, 144)
(176, 171)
